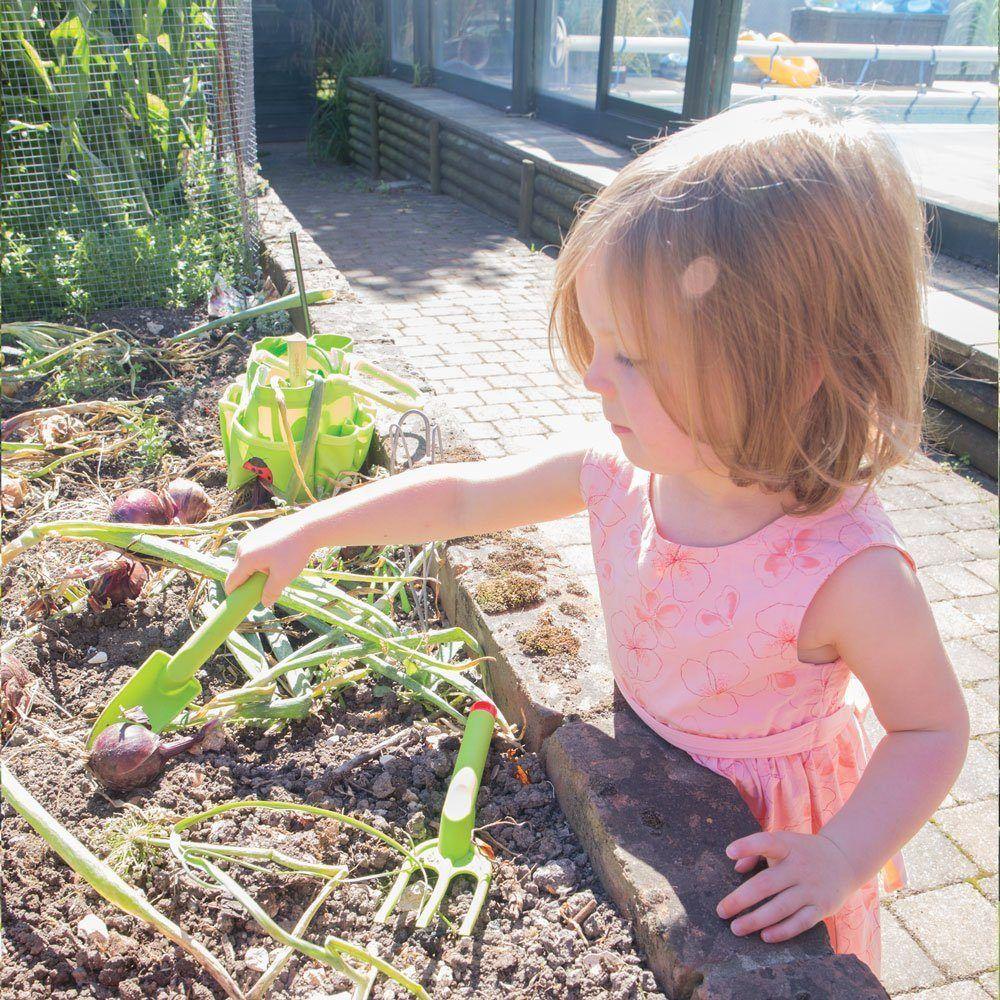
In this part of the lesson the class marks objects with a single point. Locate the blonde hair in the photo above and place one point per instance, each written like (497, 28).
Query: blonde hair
(782, 243)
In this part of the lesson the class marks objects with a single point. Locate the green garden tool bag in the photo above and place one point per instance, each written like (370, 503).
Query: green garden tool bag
(300, 439)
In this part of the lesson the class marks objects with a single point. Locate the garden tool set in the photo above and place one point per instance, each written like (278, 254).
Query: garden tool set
(297, 420)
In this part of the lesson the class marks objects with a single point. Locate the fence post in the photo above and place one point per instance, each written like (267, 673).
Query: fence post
(527, 199)
(435, 155)
(373, 118)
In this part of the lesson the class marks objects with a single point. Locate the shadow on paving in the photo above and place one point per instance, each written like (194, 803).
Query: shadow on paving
(403, 243)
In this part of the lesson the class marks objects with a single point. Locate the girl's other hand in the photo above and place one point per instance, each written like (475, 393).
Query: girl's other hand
(808, 876)
(279, 549)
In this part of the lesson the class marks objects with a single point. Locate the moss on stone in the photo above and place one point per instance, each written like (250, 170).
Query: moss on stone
(517, 557)
(546, 638)
(508, 592)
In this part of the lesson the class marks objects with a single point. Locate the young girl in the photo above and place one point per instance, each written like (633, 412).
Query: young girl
(746, 300)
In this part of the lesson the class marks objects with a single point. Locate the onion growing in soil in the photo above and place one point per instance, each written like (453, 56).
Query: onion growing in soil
(141, 506)
(188, 500)
(15, 679)
(128, 755)
(119, 579)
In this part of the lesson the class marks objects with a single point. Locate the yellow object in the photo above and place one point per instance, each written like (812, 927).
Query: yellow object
(792, 71)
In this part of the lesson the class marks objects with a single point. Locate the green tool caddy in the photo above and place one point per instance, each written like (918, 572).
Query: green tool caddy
(300, 417)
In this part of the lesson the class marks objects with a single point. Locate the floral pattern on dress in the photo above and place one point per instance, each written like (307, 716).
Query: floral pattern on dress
(710, 622)
(777, 633)
(662, 613)
(637, 643)
(603, 481)
(788, 551)
(721, 683)
(682, 571)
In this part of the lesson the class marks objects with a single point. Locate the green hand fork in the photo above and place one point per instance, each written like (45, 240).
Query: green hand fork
(453, 852)
(166, 684)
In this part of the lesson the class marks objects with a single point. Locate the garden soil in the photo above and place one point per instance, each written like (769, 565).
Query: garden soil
(547, 930)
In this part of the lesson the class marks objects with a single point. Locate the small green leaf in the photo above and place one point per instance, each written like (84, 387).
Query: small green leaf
(156, 106)
(38, 63)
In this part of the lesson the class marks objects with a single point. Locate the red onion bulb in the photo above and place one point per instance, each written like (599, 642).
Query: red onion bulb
(189, 501)
(141, 506)
(127, 755)
(121, 579)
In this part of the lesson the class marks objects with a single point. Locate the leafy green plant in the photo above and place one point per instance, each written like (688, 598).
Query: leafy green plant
(151, 442)
(119, 181)
(328, 132)
(86, 376)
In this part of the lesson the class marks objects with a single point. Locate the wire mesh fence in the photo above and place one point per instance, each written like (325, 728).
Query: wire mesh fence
(129, 152)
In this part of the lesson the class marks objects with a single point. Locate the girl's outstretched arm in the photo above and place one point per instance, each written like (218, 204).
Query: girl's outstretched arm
(875, 613)
(429, 503)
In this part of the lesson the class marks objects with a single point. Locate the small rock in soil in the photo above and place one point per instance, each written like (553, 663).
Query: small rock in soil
(557, 876)
(93, 931)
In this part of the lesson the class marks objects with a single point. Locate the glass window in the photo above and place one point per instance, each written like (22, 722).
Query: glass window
(401, 30)
(649, 56)
(924, 68)
(572, 39)
(474, 38)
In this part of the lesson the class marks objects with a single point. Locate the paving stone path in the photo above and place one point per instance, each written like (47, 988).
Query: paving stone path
(468, 302)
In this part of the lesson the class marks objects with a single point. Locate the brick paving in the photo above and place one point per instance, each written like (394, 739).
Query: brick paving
(468, 303)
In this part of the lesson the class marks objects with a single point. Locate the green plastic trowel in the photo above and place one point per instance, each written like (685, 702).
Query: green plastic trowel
(165, 684)
(454, 852)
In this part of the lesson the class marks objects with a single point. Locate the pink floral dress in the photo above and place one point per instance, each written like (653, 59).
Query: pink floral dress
(703, 645)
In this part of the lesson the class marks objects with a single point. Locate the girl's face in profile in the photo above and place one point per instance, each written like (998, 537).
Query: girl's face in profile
(619, 374)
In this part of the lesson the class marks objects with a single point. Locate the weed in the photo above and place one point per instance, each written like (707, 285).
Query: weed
(151, 445)
(79, 377)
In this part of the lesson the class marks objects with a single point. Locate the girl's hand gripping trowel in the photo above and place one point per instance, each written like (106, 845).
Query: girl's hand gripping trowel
(165, 684)
(453, 852)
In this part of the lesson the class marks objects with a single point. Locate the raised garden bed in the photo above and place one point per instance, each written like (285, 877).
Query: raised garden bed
(547, 929)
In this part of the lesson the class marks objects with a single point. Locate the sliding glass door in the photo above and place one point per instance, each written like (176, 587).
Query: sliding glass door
(619, 69)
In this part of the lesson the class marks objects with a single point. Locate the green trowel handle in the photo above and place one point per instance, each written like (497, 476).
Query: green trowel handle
(458, 816)
(213, 632)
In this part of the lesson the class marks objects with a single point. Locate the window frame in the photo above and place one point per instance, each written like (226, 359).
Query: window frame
(714, 27)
